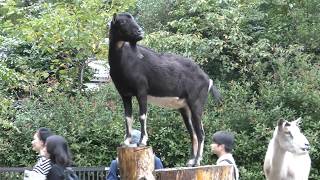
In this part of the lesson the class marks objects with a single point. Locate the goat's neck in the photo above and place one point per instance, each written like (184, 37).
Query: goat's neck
(278, 156)
(115, 44)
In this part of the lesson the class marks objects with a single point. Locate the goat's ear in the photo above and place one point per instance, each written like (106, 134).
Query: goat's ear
(297, 121)
(281, 122)
(114, 19)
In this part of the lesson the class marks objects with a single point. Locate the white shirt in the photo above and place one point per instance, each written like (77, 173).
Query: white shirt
(42, 166)
(222, 161)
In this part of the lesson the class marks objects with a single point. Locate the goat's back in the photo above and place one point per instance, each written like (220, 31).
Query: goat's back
(164, 74)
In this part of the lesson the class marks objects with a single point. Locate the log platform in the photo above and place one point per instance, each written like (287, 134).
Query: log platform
(136, 163)
(209, 172)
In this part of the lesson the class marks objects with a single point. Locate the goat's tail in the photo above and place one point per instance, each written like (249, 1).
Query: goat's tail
(215, 92)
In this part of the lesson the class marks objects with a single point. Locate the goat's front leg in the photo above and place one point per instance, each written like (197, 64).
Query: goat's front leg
(142, 100)
(127, 103)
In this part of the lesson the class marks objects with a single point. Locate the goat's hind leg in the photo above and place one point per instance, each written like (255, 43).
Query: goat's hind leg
(198, 128)
(196, 107)
(186, 115)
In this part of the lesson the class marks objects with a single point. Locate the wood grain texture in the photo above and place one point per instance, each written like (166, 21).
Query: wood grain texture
(136, 163)
(210, 172)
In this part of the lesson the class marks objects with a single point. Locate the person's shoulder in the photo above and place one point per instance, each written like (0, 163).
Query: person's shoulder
(57, 169)
(42, 166)
(44, 160)
(158, 162)
(226, 159)
(224, 162)
(114, 162)
(56, 172)
(156, 157)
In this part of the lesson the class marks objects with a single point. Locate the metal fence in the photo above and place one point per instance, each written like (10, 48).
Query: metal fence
(84, 173)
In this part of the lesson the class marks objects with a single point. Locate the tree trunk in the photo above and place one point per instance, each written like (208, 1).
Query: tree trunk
(136, 163)
(210, 172)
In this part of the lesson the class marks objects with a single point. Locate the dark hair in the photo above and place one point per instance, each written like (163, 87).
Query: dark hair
(58, 150)
(44, 133)
(225, 138)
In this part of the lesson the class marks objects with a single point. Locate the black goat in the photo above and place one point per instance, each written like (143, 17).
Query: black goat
(163, 79)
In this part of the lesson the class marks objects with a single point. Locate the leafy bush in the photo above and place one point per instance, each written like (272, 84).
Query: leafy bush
(91, 124)
(263, 75)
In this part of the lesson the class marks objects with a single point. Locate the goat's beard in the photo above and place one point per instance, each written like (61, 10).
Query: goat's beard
(133, 44)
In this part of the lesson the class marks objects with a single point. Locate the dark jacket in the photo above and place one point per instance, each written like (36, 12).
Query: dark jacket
(56, 173)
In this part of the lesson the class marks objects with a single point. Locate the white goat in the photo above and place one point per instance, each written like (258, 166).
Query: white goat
(287, 157)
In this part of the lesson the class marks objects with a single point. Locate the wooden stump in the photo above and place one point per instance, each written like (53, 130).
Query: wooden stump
(210, 172)
(136, 163)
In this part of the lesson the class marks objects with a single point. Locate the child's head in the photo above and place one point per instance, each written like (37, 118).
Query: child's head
(135, 137)
(222, 141)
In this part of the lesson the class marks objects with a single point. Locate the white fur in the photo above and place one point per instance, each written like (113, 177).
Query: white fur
(130, 122)
(287, 157)
(210, 84)
(192, 161)
(169, 102)
(145, 137)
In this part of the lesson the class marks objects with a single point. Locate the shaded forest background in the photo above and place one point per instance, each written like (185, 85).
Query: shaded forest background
(262, 54)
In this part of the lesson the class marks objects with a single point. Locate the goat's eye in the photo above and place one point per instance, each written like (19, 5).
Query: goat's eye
(287, 124)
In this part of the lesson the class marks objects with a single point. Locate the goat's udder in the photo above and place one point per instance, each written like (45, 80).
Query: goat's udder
(169, 102)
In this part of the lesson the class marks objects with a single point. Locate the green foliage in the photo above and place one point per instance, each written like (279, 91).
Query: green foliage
(8, 76)
(263, 81)
(63, 38)
(168, 136)
(284, 22)
(263, 56)
(92, 125)
(51, 42)
(153, 15)
(184, 44)
(209, 32)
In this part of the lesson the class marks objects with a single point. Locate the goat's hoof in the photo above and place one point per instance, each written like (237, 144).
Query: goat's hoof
(191, 163)
(196, 165)
(126, 142)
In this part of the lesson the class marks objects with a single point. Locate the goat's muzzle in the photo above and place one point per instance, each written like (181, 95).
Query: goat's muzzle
(306, 147)
(139, 34)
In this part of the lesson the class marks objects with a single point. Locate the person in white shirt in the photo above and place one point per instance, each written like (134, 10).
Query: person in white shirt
(222, 145)
(43, 164)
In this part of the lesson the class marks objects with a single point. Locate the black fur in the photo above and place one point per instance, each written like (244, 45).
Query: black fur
(138, 71)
